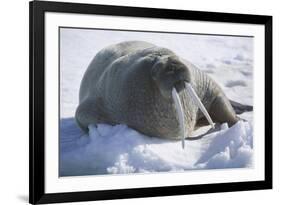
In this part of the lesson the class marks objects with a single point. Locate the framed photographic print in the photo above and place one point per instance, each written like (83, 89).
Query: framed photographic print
(139, 102)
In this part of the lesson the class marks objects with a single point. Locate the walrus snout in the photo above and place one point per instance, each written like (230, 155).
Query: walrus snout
(180, 86)
(170, 75)
(166, 87)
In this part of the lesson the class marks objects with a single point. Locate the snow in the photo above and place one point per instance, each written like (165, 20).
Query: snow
(121, 150)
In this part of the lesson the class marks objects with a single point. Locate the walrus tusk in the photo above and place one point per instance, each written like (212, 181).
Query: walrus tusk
(180, 113)
(198, 102)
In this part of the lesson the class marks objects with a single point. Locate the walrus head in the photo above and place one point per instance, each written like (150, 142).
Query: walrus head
(168, 73)
(171, 77)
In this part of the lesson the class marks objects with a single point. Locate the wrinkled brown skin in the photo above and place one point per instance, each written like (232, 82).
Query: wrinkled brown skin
(131, 83)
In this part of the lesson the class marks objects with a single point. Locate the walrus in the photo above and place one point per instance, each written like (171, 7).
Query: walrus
(133, 83)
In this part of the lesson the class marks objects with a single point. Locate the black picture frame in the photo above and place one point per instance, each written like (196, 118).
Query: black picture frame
(37, 9)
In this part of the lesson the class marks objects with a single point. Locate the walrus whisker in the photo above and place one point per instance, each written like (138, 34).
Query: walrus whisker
(198, 102)
(180, 113)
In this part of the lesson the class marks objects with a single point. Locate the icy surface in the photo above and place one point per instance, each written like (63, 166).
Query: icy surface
(119, 149)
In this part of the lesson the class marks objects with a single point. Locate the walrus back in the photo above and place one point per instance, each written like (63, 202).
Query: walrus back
(94, 98)
(103, 59)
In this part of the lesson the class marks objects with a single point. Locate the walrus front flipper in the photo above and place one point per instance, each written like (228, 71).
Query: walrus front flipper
(221, 111)
(240, 108)
(85, 115)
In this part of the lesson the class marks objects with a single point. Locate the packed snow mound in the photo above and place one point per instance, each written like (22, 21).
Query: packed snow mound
(121, 150)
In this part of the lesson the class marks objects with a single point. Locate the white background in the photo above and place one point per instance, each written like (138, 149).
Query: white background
(14, 100)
